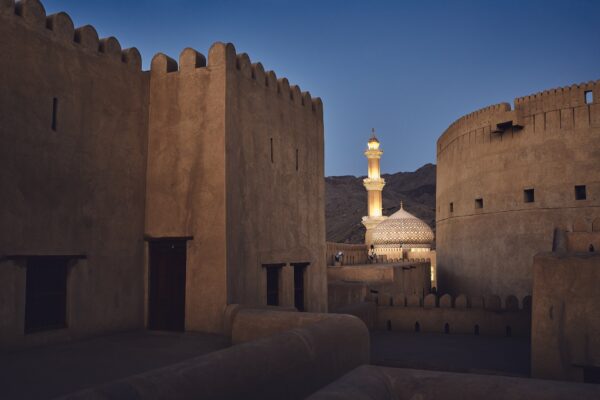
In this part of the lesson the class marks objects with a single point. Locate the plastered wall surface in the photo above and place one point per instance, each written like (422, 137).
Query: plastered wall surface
(565, 325)
(274, 179)
(464, 315)
(74, 189)
(100, 157)
(547, 142)
(186, 174)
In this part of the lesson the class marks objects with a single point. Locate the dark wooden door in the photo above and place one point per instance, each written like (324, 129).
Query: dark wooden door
(167, 285)
(46, 294)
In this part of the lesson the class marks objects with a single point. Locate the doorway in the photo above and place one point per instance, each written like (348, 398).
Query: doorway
(299, 272)
(166, 295)
(46, 293)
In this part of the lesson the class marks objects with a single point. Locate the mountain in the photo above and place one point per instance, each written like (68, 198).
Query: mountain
(346, 201)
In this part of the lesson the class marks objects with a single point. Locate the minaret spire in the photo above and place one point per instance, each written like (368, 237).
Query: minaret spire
(374, 184)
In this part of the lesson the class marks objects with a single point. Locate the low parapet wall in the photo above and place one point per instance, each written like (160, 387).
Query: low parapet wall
(353, 253)
(253, 323)
(465, 315)
(370, 382)
(289, 365)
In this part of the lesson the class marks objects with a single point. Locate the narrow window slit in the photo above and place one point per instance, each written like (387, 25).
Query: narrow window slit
(54, 112)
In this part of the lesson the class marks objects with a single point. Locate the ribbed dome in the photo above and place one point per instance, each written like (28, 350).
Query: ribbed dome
(402, 228)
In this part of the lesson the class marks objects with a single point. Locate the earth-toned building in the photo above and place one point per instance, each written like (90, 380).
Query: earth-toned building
(135, 198)
(506, 179)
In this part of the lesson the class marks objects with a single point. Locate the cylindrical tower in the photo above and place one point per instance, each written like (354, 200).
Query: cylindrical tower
(374, 184)
(507, 178)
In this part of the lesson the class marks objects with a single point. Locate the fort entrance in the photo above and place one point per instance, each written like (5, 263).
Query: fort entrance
(166, 297)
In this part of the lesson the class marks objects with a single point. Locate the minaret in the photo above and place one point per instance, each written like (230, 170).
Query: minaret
(374, 184)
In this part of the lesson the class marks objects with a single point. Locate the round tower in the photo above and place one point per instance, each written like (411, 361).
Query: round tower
(374, 184)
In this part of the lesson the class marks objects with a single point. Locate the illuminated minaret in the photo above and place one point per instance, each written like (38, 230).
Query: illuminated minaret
(374, 184)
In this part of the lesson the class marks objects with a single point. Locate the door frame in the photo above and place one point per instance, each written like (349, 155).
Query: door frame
(147, 240)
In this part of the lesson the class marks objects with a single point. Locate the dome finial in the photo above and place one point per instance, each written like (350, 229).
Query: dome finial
(401, 205)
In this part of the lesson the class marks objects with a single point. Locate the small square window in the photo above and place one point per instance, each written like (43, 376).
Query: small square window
(528, 195)
(580, 192)
(589, 97)
(451, 207)
(478, 203)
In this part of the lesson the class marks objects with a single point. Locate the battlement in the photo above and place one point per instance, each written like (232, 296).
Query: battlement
(557, 98)
(489, 303)
(487, 116)
(464, 315)
(33, 14)
(498, 118)
(225, 54)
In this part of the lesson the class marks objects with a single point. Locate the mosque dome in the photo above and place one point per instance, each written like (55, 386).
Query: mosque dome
(403, 228)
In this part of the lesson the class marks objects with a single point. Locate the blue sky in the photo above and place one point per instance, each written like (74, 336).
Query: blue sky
(406, 68)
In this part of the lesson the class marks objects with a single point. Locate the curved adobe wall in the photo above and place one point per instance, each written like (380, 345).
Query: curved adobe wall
(549, 142)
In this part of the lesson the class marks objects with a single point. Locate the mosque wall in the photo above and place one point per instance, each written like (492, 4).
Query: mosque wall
(506, 178)
(73, 118)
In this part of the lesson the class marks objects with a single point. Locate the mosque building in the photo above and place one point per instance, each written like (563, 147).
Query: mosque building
(401, 236)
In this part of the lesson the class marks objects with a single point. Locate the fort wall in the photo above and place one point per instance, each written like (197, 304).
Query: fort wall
(186, 174)
(488, 227)
(275, 187)
(236, 165)
(445, 314)
(564, 342)
(73, 126)
(109, 160)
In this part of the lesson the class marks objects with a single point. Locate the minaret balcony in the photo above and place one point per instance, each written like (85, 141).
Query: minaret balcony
(374, 183)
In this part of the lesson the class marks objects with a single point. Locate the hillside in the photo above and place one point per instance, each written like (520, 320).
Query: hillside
(346, 201)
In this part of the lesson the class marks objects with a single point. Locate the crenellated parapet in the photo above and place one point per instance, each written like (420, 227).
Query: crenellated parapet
(556, 99)
(485, 315)
(61, 28)
(489, 302)
(484, 117)
(559, 108)
(224, 54)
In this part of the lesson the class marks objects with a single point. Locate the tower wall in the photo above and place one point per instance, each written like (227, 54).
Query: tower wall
(75, 186)
(236, 165)
(186, 174)
(485, 155)
(275, 185)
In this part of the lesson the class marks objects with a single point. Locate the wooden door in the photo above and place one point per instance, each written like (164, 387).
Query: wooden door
(166, 299)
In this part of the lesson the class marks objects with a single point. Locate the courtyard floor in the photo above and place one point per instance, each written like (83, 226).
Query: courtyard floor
(457, 353)
(54, 370)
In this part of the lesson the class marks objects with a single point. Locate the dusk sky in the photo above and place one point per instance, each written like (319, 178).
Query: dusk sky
(406, 68)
